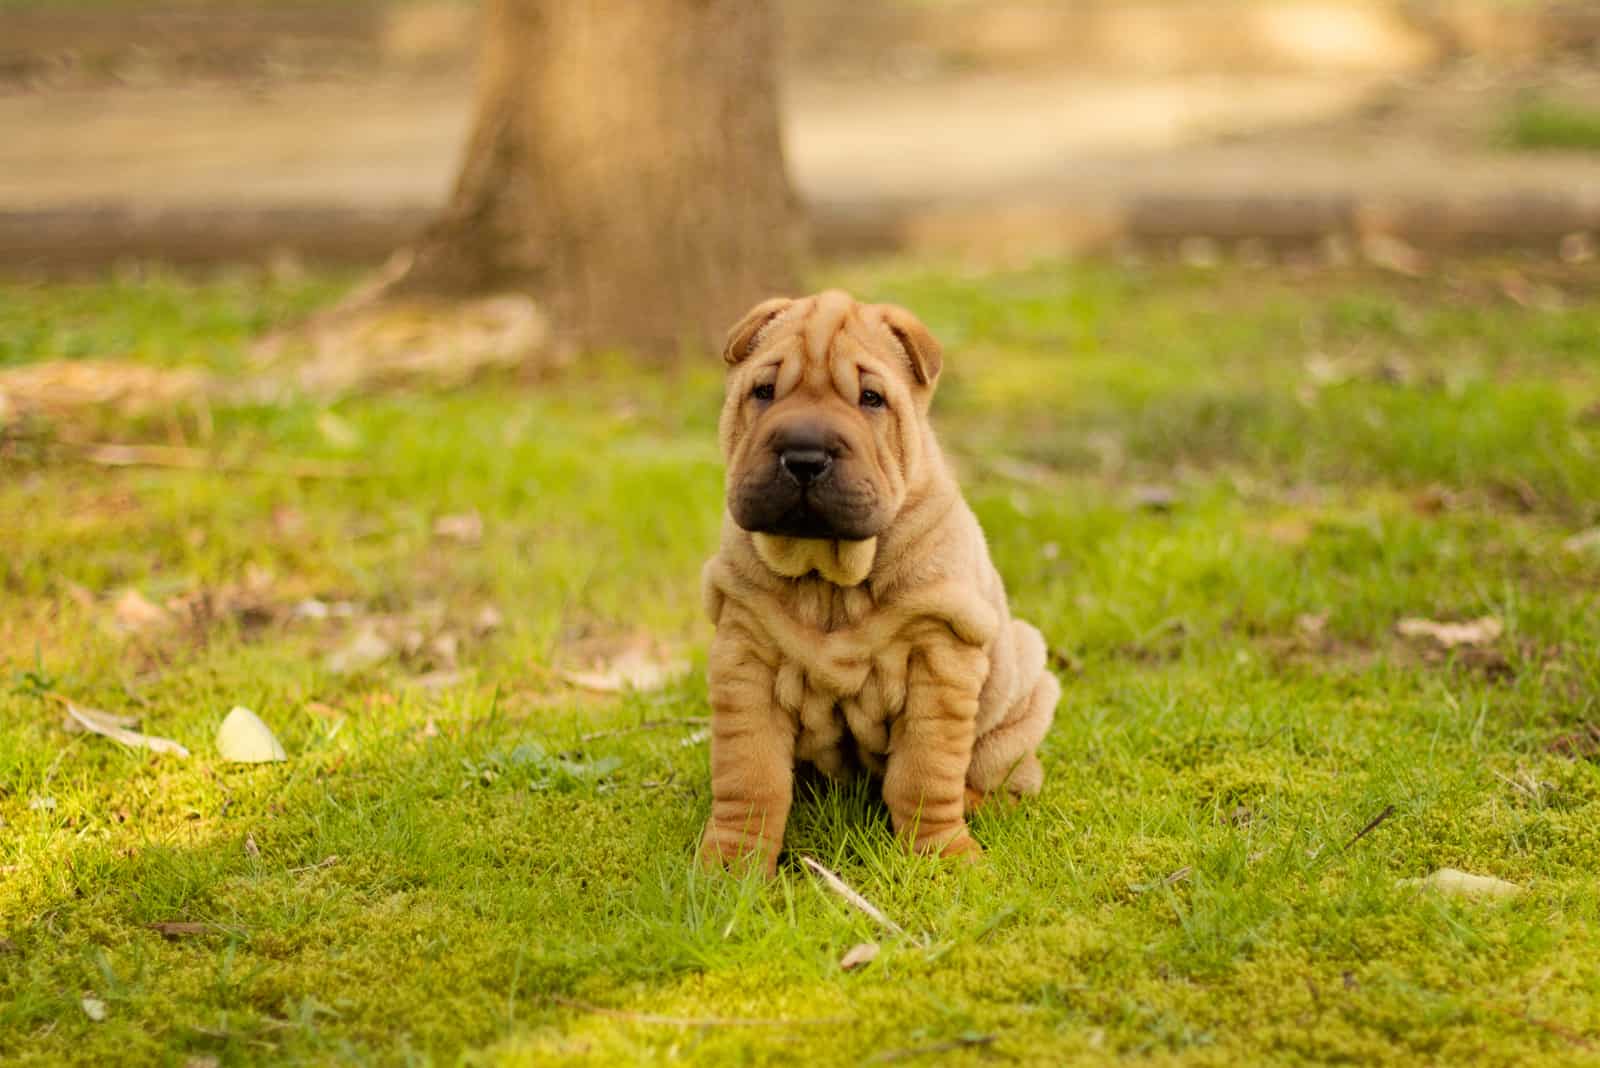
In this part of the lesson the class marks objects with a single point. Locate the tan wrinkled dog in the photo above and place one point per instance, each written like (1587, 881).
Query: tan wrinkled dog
(859, 620)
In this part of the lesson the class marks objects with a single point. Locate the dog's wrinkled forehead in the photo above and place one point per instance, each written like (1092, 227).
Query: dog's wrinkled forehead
(830, 334)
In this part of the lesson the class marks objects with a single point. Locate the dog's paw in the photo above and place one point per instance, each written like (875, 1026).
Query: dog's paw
(962, 847)
(733, 853)
(955, 844)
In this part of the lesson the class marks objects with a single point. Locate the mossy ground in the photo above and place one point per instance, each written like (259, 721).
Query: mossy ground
(1341, 450)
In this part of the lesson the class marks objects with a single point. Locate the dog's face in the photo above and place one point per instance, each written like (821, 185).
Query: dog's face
(826, 408)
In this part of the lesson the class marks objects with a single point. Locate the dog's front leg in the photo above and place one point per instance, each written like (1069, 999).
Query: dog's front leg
(930, 746)
(752, 759)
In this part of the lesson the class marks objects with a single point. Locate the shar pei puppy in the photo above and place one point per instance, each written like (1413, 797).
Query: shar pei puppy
(859, 621)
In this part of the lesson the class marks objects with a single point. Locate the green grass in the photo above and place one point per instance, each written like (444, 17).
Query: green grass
(1343, 444)
(1548, 124)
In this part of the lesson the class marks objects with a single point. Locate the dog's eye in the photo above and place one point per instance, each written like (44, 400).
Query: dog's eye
(763, 392)
(871, 398)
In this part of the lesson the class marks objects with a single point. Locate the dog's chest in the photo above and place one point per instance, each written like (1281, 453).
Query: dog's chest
(859, 697)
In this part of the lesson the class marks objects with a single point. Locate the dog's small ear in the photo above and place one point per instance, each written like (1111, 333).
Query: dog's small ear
(743, 336)
(924, 352)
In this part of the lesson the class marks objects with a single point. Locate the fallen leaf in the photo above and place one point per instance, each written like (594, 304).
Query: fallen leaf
(288, 522)
(250, 847)
(1200, 252)
(859, 955)
(1577, 247)
(358, 347)
(244, 739)
(1479, 631)
(1311, 624)
(466, 528)
(634, 669)
(1464, 884)
(1289, 530)
(1588, 541)
(135, 614)
(93, 1008)
(1581, 744)
(116, 728)
(1392, 254)
(439, 680)
(57, 387)
(175, 929)
(1153, 498)
(338, 432)
(445, 648)
(365, 650)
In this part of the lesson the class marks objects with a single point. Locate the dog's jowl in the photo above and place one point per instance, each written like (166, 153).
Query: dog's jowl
(860, 623)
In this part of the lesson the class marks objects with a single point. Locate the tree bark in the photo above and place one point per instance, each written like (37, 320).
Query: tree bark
(625, 169)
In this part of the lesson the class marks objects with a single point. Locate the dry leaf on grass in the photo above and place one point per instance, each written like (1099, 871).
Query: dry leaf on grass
(244, 739)
(1464, 884)
(1153, 498)
(633, 669)
(859, 956)
(488, 619)
(466, 528)
(1588, 541)
(338, 432)
(93, 1008)
(60, 387)
(135, 614)
(176, 929)
(1479, 631)
(117, 728)
(1393, 254)
(1581, 744)
(367, 649)
(393, 343)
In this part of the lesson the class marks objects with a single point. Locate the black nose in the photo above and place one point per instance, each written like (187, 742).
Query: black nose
(805, 466)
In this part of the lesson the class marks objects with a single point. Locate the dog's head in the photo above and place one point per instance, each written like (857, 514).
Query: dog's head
(823, 428)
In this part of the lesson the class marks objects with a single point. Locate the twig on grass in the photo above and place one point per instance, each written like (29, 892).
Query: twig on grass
(325, 862)
(1166, 880)
(695, 1021)
(1373, 825)
(840, 887)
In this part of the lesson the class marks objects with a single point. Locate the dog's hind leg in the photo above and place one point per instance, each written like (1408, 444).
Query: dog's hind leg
(1005, 757)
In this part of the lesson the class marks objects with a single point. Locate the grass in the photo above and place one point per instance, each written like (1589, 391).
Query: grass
(1537, 124)
(1345, 450)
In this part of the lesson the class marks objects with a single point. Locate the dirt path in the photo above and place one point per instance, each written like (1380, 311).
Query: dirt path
(940, 160)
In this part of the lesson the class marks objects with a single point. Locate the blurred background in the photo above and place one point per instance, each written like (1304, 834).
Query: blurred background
(357, 368)
(224, 131)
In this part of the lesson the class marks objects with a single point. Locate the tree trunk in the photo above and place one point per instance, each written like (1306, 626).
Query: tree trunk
(625, 169)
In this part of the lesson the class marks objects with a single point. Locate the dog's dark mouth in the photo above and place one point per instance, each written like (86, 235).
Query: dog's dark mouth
(789, 511)
(806, 522)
